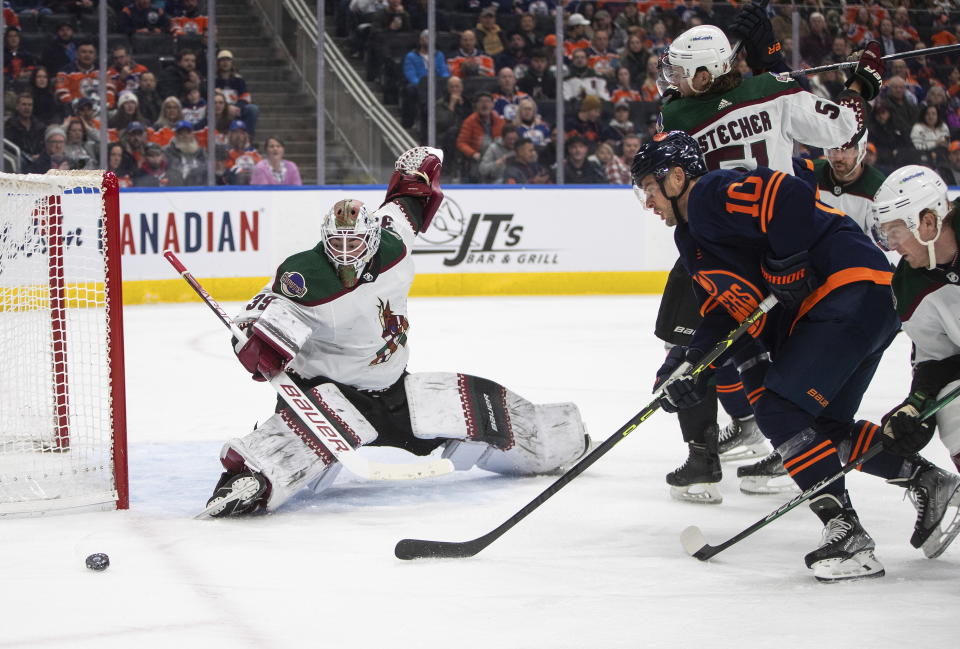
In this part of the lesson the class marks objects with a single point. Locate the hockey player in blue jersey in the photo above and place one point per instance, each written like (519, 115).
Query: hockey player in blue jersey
(742, 234)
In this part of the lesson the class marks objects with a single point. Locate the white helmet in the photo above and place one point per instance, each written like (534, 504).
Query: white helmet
(906, 193)
(351, 237)
(703, 46)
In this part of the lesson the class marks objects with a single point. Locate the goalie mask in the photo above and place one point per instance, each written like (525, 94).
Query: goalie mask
(703, 46)
(351, 237)
(903, 196)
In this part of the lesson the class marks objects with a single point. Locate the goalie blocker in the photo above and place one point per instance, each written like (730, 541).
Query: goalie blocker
(477, 422)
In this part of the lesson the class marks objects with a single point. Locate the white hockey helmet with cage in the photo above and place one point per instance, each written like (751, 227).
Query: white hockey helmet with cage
(703, 46)
(906, 193)
(351, 235)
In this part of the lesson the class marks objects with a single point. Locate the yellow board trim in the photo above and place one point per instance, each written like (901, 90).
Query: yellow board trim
(238, 289)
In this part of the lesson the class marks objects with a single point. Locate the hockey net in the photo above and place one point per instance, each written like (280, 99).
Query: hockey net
(62, 421)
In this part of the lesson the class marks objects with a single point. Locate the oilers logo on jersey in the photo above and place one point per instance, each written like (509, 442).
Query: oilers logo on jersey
(733, 293)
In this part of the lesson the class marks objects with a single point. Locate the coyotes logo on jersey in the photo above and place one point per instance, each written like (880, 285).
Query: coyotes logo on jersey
(394, 332)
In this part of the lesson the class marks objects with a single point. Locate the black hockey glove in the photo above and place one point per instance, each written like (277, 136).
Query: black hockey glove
(904, 433)
(753, 28)
(869, 71)
(930, 377)
(791, 279)
(683, 391)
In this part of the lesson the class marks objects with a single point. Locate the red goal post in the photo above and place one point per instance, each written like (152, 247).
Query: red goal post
(62, 393)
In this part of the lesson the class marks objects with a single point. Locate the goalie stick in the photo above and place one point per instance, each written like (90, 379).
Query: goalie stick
(695, 544)
(419, 549)
(311, 416)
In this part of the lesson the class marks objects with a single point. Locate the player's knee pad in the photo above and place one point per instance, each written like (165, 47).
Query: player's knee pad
(289, 455)
(491, 426)
(948, 420)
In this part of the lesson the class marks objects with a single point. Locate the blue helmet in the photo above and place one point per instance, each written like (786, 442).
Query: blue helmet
(665, 151)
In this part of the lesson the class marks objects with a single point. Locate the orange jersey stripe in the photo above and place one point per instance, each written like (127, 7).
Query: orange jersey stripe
(803, 466)
(856, 448)
(802, 456)
(842, 278)
(767, 215)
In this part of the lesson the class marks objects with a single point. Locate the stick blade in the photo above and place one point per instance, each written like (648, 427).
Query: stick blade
(694, 543)
(407, 549)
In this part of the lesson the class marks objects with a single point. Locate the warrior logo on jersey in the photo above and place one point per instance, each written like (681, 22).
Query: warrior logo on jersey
(394, 332)
(736, 295)
(292, 284)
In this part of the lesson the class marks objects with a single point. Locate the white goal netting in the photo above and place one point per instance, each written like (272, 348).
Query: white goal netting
(59, 345)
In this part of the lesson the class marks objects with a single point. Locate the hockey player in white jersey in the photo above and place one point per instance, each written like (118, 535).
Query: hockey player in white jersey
(914, 218)
(742, 123)
(847, 183)
(335, 319)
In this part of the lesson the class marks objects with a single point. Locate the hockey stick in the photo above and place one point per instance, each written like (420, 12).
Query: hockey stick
(311, 417)
(927, 51)
(419, 549)
(696, 545)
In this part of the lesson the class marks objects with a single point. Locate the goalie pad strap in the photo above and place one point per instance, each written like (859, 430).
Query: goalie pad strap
(459, 406)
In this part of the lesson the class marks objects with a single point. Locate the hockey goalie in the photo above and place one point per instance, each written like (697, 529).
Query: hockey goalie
(335, 319)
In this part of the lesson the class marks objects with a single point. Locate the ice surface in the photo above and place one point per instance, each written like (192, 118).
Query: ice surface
(600, 565)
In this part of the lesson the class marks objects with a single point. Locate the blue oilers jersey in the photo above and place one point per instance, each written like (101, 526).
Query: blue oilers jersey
(735, 219)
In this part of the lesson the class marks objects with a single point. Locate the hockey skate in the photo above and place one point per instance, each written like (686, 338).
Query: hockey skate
(935, 494)
(237, 494)
(696, 479)
(741, 439)
(846, 550)
(766, 477)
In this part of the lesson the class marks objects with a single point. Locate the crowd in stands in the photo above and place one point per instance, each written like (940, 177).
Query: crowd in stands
(158, 122)
(496, 77)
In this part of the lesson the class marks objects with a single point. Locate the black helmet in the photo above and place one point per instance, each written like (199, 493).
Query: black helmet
(667, 150)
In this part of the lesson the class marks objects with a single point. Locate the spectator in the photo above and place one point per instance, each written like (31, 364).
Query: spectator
(923, 70)
(581, 80)
(45, 106)
(121, 163)
(601, 59)
(154, 169)
(84, 111)
(174, 77)
(894, 147)
(62, 51)
(950, 171)
(134, 140)
(128, 110)
(194, 106)
(82, 79)
(477, 132)
(187, 20)
(538, 81)
(860, 30)
(619, 126)
(221, 121)
(870, 157)
(624, 90)
(415, 67)
(613, 168)
(148, 98)
(631, 144)
(140, 17)
(616, 35)
(125, 73)
(53, 156)
(393, 18)
(658, 41)
(577, 170)
(890, 44)
(515, 55)
(274, 170)
(470, 61)
(899, 68)
(489, 33)
(493, 164)
(815, 46)
(451, 110)
(531, 126)
(506, 100)
(25, 130)
(577, 36)
(936, 96)
(840, 51)
(359, 23)
(171, 112)
(241, 155)
(930, 134)
(186, 159)
(585, 124)
(234, 90)
(419, 18)
(630, 20)
(18, 63)
(634, 57)
(80, 150)
(903, 111)
(902, 29)
(523, 168)
(528, 30)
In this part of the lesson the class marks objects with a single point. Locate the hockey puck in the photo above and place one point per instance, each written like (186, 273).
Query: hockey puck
(98, 562)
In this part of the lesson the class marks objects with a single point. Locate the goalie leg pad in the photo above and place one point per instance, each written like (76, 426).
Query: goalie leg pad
(289, 455)
(516, 437)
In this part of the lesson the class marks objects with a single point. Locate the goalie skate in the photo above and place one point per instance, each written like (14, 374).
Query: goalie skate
(236, 495)
(741, 439)
(766, 477)
(935, 494)
(696, 479)
(846, 550)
